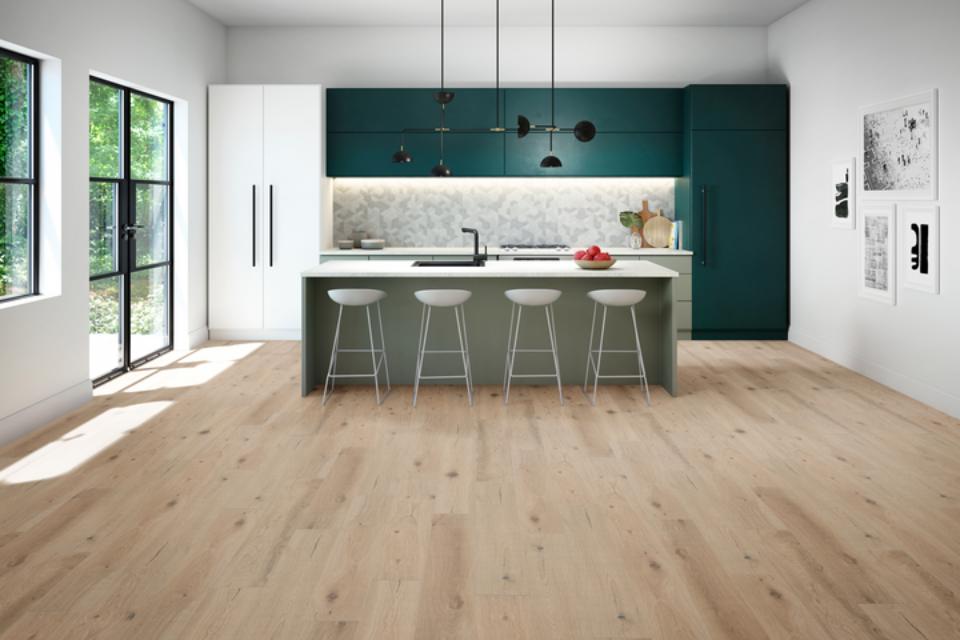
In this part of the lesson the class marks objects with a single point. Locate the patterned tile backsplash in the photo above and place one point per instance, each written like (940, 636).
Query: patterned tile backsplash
(429, 212)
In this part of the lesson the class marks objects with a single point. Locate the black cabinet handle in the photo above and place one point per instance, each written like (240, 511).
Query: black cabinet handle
(271, 225)
(703, 226)
(253, 226)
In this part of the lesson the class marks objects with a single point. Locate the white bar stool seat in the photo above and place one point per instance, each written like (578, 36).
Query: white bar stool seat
(617, 297)
(614, 298)
(530, 298)
(378, 356)
(443, 298)
(356, 297)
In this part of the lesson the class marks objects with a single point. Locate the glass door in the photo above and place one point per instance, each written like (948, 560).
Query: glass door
(131, 235)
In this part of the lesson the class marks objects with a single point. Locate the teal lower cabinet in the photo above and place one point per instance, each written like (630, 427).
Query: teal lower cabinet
(651, 155)
(739, 222)
(369, 154)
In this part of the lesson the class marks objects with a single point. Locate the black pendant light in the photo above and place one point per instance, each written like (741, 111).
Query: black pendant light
(402, 156)
(550, 161)
(584, 131)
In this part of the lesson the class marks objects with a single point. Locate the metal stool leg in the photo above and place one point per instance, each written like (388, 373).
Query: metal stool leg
(463, 356)
(383, 347)
(373, 357)
(513, 354)
(593, 325)
(424, 330)
(506, 360)
(331, 368)
(551, 329)
(643, 369)
(596, 376)
(466, 343)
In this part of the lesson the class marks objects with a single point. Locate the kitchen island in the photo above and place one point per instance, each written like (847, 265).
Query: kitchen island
(488, 319)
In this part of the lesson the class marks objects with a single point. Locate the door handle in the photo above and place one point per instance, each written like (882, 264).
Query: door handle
(703, 226)
(130, 230)
(271, 225)
(253, 225)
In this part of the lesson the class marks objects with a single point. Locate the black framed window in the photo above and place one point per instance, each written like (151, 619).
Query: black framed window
(131, 229)
(19, 175)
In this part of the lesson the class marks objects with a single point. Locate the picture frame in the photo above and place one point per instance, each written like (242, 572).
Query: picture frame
(878, 252)
(844, 209)
(920, 246)
(899, 149)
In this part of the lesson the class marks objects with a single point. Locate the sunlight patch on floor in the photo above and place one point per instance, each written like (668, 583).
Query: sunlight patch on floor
(223, 353)
(76, 447)
(180, 377)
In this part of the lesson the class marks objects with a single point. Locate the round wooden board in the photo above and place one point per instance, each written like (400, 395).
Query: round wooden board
(657, 231)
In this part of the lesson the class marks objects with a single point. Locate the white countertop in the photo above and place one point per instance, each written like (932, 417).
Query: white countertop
(492, 269)
(493, 251)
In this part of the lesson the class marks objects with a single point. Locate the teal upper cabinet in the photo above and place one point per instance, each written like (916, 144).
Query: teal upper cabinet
(369, 154)
(639, 132)
(737, 107)
(392, 110)
(652, 155)
(611, 110)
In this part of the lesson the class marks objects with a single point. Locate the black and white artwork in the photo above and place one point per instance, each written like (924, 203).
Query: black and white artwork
(844, 200)
(899, 149)
(920, 231)
(878, 252)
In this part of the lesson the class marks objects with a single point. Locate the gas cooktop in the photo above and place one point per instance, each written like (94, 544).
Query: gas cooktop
(519, 247)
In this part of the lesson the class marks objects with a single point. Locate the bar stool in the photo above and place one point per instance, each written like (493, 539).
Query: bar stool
(358, 298)
(530, 298)
(614, 298)
(443, 298)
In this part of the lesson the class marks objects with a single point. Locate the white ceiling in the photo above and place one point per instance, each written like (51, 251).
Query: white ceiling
(513, 12)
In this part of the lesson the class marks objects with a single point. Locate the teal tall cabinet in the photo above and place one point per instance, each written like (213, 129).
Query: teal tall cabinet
(734, 200)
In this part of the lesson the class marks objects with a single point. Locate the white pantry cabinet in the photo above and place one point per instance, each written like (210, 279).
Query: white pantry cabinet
(264, 206)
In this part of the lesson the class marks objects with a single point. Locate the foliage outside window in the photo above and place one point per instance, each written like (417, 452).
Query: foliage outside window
(130, 186)
(18, 198)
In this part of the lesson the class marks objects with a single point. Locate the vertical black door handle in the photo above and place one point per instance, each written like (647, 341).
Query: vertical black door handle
(271, 225)
(253, 226)
(703, 226)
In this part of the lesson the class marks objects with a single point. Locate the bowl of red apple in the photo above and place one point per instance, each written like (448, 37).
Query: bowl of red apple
(593, 258)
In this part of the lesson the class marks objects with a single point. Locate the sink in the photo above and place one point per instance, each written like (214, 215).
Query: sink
(446, 263)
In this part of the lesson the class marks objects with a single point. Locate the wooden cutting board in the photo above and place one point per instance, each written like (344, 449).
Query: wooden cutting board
(657, 231)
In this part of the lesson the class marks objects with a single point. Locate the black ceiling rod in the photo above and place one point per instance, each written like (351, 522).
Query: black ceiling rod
(443, 96)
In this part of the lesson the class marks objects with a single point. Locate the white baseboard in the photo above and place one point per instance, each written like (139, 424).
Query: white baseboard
(916, 389)
(254, 334)
(197, 337)
(37, 415)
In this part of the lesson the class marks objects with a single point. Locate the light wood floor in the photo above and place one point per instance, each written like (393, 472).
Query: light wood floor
(781, 496)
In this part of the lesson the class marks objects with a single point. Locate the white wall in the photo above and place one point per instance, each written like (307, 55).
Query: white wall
(837, 56)
(409, 57)
(168, 47)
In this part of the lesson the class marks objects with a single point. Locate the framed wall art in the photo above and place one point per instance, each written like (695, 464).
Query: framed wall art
(844, 214)
(898, 149)
(920, 248)
(878, 252)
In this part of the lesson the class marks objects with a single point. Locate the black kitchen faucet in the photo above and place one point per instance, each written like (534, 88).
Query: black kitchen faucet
(478, 258)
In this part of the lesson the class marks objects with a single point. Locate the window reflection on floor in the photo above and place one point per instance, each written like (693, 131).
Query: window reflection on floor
(174, 371)
(81, 444)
